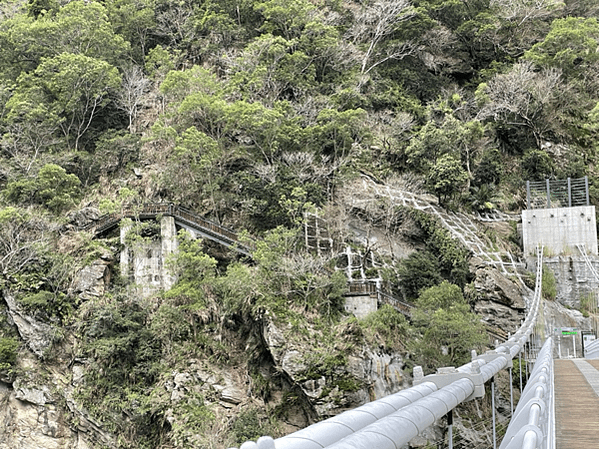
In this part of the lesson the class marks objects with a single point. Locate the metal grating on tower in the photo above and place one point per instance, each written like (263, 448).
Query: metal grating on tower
(558, 193)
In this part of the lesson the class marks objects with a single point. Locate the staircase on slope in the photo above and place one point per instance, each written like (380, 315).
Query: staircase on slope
(460, 225)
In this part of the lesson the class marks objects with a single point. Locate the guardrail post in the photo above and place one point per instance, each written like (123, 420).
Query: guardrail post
(586, 189)
(450, 429)
(569, 193)
(520, 366)
(511, 391)
(493, 408)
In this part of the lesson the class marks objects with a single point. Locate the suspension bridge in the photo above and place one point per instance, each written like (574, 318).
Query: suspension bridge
(557, 409)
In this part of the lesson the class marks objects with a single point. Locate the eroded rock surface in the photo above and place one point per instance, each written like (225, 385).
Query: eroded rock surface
(374, 375)
(36, 334)
(92, 280)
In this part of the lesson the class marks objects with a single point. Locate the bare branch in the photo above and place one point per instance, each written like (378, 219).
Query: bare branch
(375, 23)
(130, 96)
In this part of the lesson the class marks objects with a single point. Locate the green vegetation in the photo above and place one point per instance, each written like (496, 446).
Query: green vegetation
(419, 270)
(548, 284)
(449, 329)
(250, 425)
(252, 113)
(588, 304)
(422, 270)
(386, 327)
(8, 352)
(52, 187)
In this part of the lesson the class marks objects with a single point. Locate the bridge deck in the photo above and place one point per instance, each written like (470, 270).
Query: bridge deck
(576, 405)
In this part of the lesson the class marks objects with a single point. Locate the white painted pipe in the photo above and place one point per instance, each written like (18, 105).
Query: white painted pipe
(530, 440)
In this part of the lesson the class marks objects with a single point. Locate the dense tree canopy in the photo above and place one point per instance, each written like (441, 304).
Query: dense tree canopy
(266, 78)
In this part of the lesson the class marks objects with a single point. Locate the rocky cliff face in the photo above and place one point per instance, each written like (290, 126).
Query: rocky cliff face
(376, 374)
(574, 278)
(499, 300)
(40, 407)
(37, 408)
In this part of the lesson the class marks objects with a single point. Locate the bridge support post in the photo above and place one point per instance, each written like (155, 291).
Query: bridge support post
(126, 262)
(493, 408)
(450, 429)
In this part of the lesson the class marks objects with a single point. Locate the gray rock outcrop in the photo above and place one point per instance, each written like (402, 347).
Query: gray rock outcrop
(376, 374)
(83, 217)
(91, 281)
(499, 301)
(36, 334)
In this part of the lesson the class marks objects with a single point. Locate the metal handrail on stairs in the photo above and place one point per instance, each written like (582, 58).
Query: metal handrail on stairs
(585, 256)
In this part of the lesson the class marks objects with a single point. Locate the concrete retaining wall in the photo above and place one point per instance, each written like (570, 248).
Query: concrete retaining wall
(360, 305)
(560, 230)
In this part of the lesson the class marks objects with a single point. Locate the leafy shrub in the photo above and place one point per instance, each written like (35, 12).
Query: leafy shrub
(51, 304)
(449, 330)
(418, 271)
(52, 187)
(489, 169)
(452, 255)
(249, 425)
(8, 352)
(386, 327)
(536, 165)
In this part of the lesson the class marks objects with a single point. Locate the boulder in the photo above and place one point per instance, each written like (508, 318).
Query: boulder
(92, 280)
(83, 217)
(491, 285)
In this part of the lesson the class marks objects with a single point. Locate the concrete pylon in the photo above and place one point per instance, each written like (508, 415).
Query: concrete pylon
(170, 244)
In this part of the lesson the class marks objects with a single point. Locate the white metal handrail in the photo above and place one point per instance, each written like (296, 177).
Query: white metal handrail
(533, 423)
(585, 256)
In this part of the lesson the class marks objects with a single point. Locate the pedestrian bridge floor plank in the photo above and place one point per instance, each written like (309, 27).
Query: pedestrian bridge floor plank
(576, 408)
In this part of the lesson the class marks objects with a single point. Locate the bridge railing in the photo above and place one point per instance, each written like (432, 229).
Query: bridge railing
(152, 210)
(392, 421)
(533, 423)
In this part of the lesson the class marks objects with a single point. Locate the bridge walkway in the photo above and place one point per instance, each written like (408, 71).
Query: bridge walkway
(577, 404)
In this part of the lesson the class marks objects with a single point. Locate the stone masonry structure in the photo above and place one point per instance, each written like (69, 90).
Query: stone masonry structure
(144, 262)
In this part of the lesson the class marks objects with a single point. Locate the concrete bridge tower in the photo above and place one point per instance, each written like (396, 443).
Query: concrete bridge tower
(560, 217)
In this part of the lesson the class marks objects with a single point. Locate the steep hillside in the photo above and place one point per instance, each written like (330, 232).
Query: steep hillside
(402, 131)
